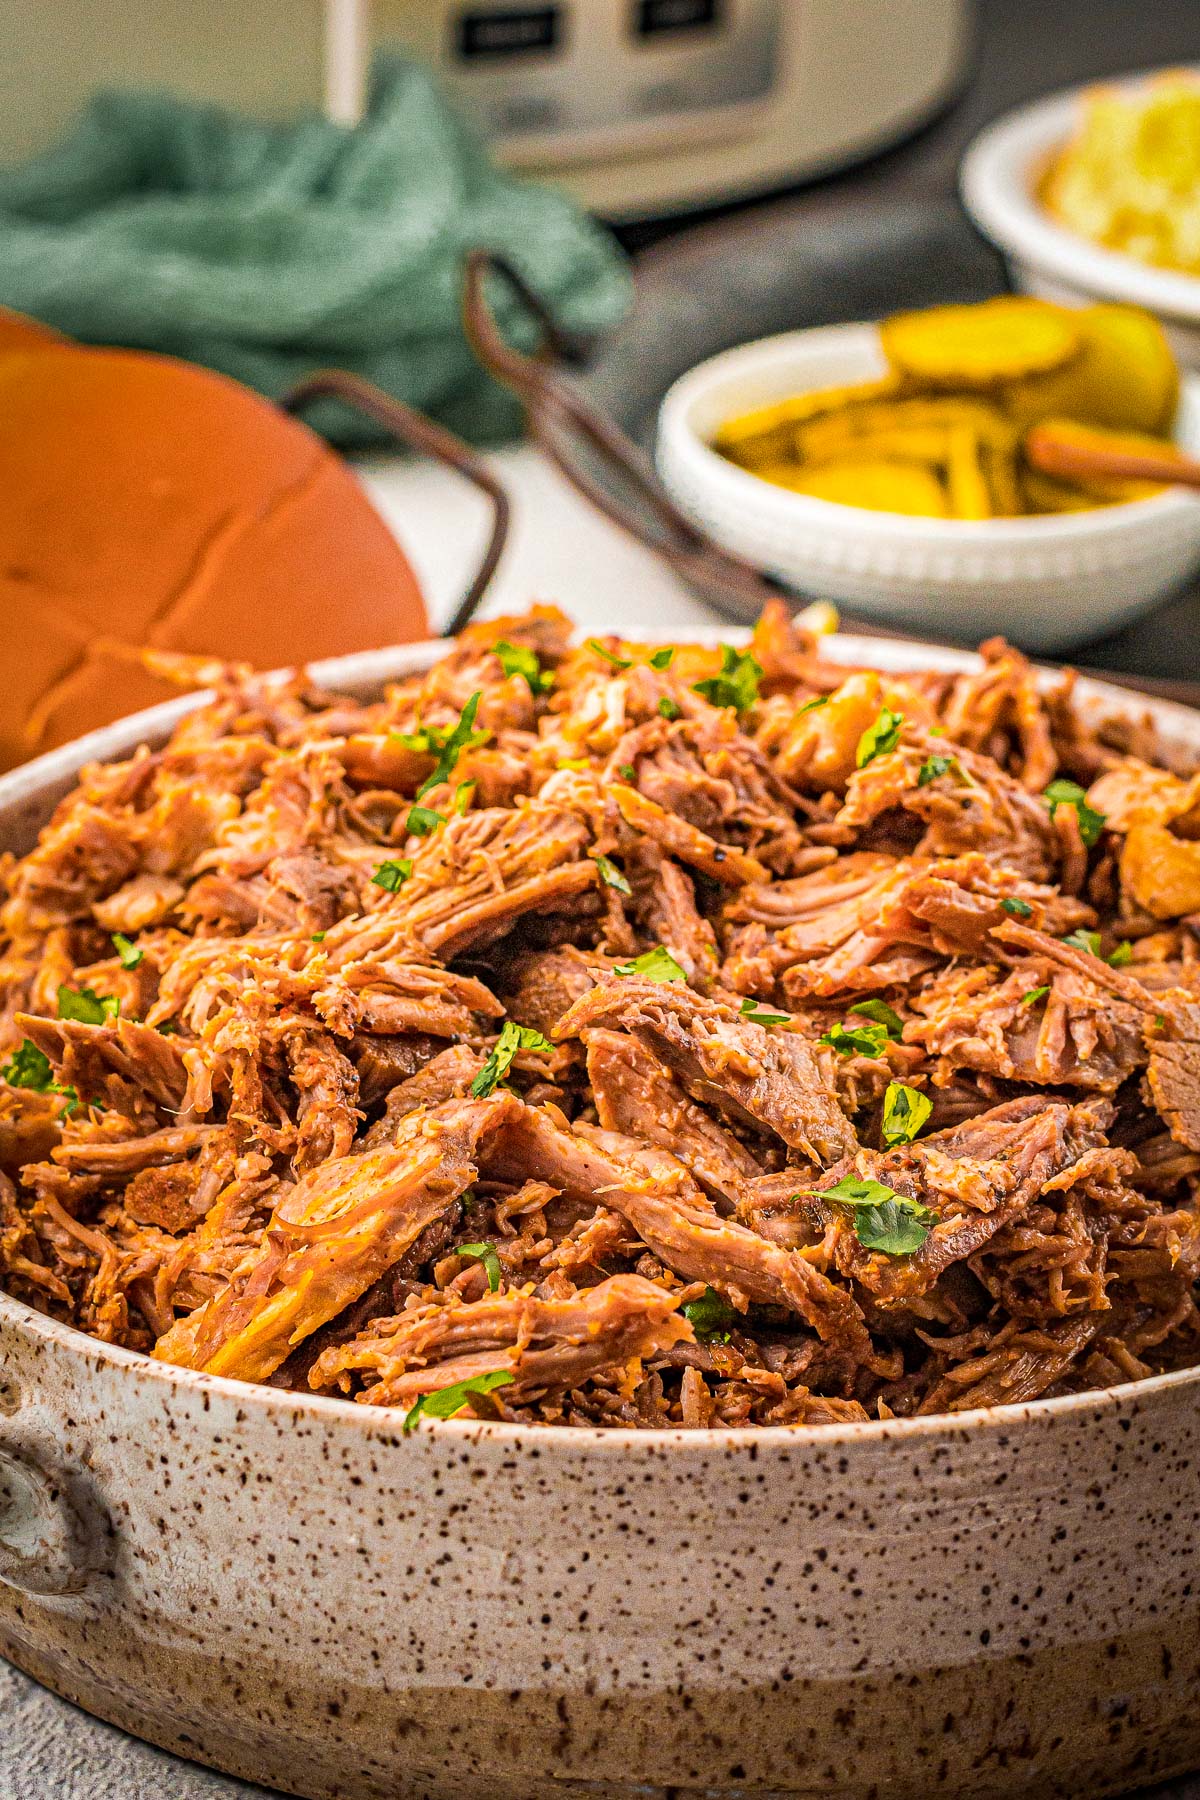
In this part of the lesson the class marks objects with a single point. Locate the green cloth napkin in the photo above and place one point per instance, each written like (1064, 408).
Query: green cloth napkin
(267, 251)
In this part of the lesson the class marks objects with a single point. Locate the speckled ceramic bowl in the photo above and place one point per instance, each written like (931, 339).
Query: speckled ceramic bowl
(993, 1604)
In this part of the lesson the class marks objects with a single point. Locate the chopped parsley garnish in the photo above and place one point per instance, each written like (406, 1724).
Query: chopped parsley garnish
(812, 705)
(933, 767)
(447, 743)
(422, 820)
(128, 952)
(883, 1219)
(662, 658)
(1122, 956)
(318, 937)
(668, 708)
(711, 1317)
(881, 1012)
(611, 876)
(1034, 995)
(863, 1040)
(515, 659)
(737, 684)
(1069, 793)
(512, 1038)
(450, 1400)
(29, 1067)
(610, 656)
(656, 965)
(1017, 909)
(750, 1011)
(86, 1006)
(1084, 940)
(626, 771)
(170, 1027)
(486, 1254)
(391, 875)
(880, 737)
(905, 1110)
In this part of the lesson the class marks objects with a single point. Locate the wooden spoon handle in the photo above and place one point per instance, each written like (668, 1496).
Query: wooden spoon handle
(1055, 455)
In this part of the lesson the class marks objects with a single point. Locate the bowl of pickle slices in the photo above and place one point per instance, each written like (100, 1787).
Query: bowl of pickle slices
(906, 467)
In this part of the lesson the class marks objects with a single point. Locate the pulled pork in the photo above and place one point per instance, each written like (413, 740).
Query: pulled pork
(615, 1036)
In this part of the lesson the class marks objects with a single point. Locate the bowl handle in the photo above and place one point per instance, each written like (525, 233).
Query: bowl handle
(44, 1545)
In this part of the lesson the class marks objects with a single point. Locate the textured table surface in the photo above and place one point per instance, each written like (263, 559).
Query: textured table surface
(562, 551)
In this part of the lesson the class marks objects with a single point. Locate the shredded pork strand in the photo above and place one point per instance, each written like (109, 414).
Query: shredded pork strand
(725, 1039)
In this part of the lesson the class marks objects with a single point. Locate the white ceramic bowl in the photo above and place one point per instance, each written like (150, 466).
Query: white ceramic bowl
(998, 176)
(994, 1605)
(1046, 583)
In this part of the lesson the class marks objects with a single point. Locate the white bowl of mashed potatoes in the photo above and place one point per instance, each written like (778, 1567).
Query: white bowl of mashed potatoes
(1092, 195)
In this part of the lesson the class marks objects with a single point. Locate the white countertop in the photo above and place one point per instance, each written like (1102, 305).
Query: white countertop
(560, 549)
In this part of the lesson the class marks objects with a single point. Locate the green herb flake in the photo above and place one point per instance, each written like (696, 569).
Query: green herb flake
(512, 1038)
(128, 952)
(656, 965)
(737, 684)
(486, 1254)
(711, 1317)
(611, 876)
(882, 1013)
(626, 771)
(668, 708)
(86, 1006)
(933, 767)
(450, 1400)
(448, 744)
(422, 820)
(905, 1110)
(168, 1028)
(750, 1011)
(610, 656)
(662, 658)
(29, 1067)
(318, 937)
(898, 1227)
(864, 1040)
(883, 1219)
(1017, 909)
(881, 737)
(1122, 956)
(462, 798)
(1084, 940)
(390, 876)
(812, 705)
(515, 659)
(1034, 995)
(1069, 793)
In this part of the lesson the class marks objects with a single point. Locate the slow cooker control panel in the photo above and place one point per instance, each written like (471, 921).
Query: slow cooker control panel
(591, 77)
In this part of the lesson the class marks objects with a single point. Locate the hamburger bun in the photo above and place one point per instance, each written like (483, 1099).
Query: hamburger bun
(17, 332)
(145, 501)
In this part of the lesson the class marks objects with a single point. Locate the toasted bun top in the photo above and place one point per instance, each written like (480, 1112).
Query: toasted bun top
(153, 502)
(17, 332)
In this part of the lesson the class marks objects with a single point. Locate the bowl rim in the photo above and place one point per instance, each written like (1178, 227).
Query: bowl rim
(995, 190)
(678, 435)
(54, 773)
